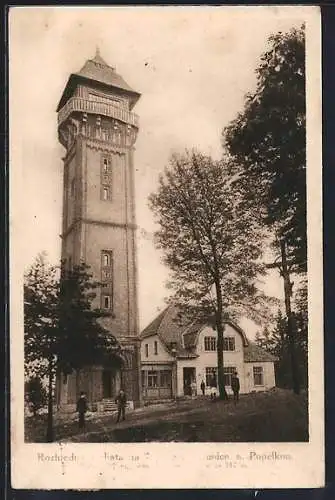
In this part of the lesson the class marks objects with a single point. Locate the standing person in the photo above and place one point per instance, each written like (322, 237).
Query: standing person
(202, 387)
(194, 389)
(82, 409)
(121, 401)
(213, 388)
(235, 385)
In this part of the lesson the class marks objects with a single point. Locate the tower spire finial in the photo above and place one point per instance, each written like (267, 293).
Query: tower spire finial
(97, 51)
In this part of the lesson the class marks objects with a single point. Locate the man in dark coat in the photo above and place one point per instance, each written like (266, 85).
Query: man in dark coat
(121, 401)
(82, 409)
(202, 387)
(235, 385)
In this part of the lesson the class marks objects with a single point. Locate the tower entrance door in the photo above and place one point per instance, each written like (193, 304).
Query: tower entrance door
(108, 384)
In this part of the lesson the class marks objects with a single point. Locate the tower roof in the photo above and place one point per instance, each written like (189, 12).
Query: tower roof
(98, 71)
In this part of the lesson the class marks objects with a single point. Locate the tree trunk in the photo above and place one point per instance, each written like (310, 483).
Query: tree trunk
(222, 389)
(290, 322)
(220, 329)
(50, 430)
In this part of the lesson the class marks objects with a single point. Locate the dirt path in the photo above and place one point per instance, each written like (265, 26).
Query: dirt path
(260, 418)
(276, 416)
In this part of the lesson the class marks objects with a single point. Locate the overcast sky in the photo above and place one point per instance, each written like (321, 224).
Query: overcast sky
(192, 66)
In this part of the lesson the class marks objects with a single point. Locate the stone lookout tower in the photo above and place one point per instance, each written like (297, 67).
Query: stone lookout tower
(98, 130)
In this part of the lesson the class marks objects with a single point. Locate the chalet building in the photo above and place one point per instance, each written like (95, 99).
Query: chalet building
(175, 355)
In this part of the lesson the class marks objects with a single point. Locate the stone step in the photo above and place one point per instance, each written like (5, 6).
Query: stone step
(110, 405)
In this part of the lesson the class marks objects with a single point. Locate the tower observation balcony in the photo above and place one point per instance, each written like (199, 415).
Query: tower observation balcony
(78, 104)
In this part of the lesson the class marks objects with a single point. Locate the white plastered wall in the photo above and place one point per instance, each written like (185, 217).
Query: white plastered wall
(230, 358)
(162, 354)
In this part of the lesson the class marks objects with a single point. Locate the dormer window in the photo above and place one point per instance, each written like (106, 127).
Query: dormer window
(229, 344)
(173, 348)
(210, 343)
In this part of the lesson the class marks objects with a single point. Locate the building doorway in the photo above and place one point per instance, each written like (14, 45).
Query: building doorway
(107, 384)
(188, 378)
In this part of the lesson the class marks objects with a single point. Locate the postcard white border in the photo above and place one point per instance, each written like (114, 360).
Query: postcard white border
(163, 465)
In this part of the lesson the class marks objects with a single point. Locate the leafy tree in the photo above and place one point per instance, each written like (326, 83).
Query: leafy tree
(211, 245)
(36, 394)
(62, 330)
(301, 330)
(267, 142)
(276, 342)
(264, 339)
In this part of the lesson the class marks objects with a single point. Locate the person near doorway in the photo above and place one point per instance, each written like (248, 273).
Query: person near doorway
(235, 386)
(213, 388)
(82, 409)
(121, 401)
(202, 387)
(187, 388)
(194, 389)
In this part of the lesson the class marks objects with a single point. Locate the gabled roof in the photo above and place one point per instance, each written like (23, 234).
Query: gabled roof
(97, 71)
(152, 328)
(169, 328)
(183, 335)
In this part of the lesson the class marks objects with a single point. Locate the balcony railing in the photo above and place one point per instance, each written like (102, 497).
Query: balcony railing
(97, 108)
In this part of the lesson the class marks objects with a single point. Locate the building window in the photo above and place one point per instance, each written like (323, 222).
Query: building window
(228, 371)
(105, 165)
(173, 346)
(210, 343)
(229, 344)
(165, 378)
(152, 379)
(105, 193)
(107, 279)
(104, 134)
(106, 259)
(258, 375)
(107, 302)
(106, 178)
(211, 376)
(156, 347)
(70, 263)
(146, 347)
(107, 264)
(156, 378)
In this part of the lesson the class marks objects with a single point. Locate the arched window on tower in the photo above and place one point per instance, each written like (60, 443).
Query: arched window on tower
(105, 193)
(106, 259)
(106, 178)
(107, 279)
(105, 165)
